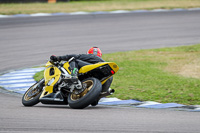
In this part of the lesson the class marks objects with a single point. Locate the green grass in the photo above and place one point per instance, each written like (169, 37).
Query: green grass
(164, 75)
(39, 75)
(99, 5)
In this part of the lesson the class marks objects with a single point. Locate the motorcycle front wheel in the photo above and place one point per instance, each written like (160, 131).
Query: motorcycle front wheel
(88, 96)
(32, 95)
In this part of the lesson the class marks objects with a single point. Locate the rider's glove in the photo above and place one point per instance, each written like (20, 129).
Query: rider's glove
(54, 58)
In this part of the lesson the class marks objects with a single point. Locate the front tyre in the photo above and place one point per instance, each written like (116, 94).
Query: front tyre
(32, 95)
(88, 96)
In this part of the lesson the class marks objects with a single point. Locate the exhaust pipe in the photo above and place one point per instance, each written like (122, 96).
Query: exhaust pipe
(53, 98)
(104, 94)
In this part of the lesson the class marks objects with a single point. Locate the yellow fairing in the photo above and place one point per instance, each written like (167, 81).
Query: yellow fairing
(66, 66)
(114, 66)
(87, 68)
(49, 88)
(48, 64)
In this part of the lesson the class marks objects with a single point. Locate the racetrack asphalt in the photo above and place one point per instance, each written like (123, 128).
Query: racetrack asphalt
(30, 41)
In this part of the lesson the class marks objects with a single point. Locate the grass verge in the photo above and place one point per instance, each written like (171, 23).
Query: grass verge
(99, 5)
(164, 75)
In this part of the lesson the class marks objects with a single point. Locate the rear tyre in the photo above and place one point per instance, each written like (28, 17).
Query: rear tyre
(107, 84)
(88, 96)
(32, 95)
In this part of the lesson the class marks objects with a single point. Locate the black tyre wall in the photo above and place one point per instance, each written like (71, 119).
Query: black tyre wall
(107, 84)
(33, 101)
(90, 97)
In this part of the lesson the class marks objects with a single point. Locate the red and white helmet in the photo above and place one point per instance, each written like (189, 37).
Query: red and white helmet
(95, 50)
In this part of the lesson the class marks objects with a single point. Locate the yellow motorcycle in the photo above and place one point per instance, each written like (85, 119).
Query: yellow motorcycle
(57, 88)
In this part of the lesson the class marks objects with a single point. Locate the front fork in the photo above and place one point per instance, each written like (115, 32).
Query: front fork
(41, 83)
(36, 89)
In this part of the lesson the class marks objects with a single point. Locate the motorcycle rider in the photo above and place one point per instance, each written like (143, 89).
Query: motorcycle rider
(78, 60)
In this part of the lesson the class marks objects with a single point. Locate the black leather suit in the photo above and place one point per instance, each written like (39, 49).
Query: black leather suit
(85, 59)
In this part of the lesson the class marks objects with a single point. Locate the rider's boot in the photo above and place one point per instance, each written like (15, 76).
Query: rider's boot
(74, 75)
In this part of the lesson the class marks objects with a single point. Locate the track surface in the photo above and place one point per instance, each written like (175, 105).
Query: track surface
(29, 41)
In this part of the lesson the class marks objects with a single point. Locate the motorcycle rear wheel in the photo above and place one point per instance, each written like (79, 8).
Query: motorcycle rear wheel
(32, 95)
(88, 96)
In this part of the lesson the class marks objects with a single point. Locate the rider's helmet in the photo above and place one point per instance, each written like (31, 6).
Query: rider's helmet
(95, 50)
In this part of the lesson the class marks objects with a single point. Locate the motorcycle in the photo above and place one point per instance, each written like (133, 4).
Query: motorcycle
(57, 88)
